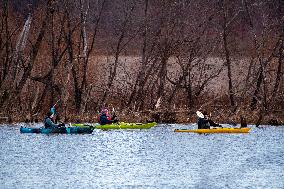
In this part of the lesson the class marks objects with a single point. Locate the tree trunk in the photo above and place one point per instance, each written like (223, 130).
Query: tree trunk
(279, 73)
(227, 55)
(15, 91)
(118, 49)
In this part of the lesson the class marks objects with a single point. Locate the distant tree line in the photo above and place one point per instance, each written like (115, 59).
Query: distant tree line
(49, 50)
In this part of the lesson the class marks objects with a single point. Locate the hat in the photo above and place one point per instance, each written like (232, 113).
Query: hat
(199, 114)
(104, 111)
(52, 110)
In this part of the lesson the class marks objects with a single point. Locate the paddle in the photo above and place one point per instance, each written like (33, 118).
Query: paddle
(232, 122)
(55, 103)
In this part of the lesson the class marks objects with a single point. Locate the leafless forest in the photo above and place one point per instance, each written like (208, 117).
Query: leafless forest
(149, 59)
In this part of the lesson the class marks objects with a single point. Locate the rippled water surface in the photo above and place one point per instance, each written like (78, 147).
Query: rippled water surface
(154, 158)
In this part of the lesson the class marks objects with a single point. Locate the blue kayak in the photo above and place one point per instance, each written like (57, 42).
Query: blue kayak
(60, 130)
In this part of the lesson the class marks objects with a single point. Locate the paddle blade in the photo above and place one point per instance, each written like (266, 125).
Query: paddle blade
(199, 114)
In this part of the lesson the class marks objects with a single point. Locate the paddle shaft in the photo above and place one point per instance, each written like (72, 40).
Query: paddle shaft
(56, 103)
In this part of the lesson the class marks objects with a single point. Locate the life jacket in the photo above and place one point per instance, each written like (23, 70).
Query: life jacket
(203, 123)
(104, 119)
(104, 111)
(46, 125)
(108, 116)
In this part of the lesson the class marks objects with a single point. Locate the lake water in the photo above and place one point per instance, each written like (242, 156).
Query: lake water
(154, 158)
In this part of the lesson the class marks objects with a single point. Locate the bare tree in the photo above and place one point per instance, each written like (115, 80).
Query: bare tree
(5, 46)
(121, 43)
(228, 19)
(80, 61)
(263, 62)
(280, 56)
(55, 37)
(27, 66)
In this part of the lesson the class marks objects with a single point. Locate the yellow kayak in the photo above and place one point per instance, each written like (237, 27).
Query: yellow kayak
(215, 130)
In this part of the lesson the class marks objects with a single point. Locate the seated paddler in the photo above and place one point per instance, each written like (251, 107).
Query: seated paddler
(204, 122)
(49, 121)
(106, 118)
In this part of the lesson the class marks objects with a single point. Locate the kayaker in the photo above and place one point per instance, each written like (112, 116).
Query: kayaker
(204, 122)
(114, 117)
(106, 118)
(49, 123)
(243, 122)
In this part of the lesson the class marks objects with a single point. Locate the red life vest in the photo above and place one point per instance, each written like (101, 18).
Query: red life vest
(104, 111)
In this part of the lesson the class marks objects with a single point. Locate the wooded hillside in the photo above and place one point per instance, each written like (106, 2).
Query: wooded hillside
(150, 59)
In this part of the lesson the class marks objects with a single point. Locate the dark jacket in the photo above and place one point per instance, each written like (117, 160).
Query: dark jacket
(203, 123)
(104, 119)
(48, 123)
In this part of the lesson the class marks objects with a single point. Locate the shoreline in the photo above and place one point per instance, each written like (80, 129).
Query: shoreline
(161, 116)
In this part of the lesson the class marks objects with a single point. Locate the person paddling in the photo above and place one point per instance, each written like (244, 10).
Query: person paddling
(204, 122)
(49, 121)
(106, 118)
(243, 122)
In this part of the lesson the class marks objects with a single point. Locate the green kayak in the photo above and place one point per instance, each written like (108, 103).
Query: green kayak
(120, 125)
